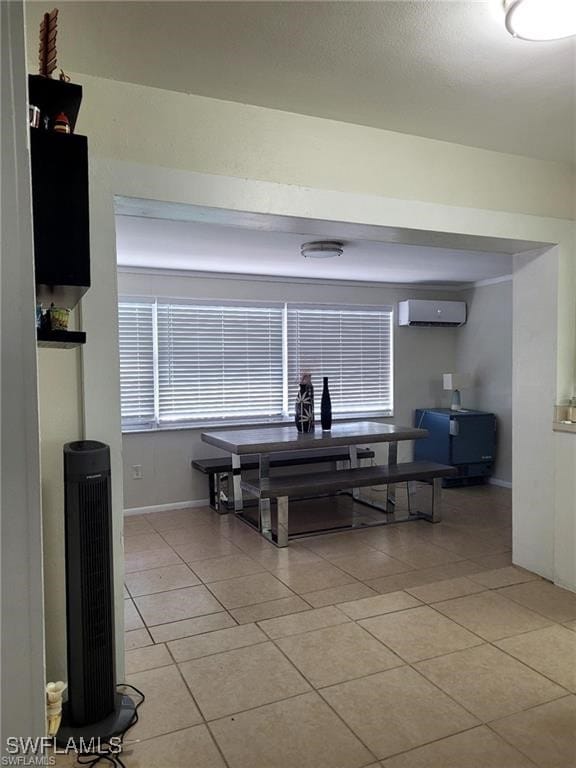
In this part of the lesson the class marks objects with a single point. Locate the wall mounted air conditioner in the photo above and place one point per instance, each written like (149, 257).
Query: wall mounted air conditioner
(449, 314)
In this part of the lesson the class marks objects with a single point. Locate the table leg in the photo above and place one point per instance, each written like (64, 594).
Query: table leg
(437, 500)
(391, 495)
(264, 503)
(282, 535)
(236, 476)
(353, 452)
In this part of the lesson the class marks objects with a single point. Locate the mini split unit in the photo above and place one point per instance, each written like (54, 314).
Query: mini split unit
(449, 314)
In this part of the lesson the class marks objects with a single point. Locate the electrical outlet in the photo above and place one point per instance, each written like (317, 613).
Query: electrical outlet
(137, 472)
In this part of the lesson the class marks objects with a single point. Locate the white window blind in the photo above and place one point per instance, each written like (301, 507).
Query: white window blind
(351, 346)
(218, 362)
(136, 362)
(189, 362)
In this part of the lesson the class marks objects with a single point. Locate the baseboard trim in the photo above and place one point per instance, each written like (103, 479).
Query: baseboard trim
(167, 507)
(500, 483)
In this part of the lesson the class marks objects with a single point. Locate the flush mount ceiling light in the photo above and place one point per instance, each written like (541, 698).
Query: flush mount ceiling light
(322, 249)
(540, 19)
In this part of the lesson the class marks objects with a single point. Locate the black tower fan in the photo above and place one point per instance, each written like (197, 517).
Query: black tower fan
(94, 708)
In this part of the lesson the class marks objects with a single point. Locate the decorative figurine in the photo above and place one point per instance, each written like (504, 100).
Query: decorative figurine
(54, 693)
(61, 123)
(47, 56)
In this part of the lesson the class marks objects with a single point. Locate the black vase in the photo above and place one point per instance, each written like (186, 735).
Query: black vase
(305, 408)
(326, 407)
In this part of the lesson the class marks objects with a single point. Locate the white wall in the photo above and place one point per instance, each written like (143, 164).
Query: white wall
(22, 618)
(421, 355)
(60, 410)
(195, 133)
(484, 350)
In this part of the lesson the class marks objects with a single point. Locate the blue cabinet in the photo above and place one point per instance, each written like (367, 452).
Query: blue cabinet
(465, 439)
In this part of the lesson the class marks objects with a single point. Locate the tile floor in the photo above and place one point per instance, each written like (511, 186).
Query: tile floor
(413, 646)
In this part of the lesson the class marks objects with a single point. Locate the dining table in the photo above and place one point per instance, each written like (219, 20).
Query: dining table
(266, 440)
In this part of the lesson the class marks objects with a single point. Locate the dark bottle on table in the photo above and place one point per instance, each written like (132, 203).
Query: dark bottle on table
(326, 407)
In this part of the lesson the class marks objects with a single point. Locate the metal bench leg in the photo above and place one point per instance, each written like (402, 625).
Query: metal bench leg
(236, 473)
(265, 518)
(391, 491)
(282, 534)
(436, 516)
(213, 490)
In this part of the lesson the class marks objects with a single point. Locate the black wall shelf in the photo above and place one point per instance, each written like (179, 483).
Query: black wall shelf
(60, 339)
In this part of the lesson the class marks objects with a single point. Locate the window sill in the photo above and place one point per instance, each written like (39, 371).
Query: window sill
(214, 425)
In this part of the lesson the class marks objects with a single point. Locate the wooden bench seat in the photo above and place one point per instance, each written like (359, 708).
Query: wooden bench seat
(282, 488)
(223, 466)
(330, 482)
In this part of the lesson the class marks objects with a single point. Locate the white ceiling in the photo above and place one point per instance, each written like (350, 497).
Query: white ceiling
(206, 247)
(444, 69)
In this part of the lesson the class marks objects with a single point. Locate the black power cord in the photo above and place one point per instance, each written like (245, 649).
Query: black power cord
(112, 756)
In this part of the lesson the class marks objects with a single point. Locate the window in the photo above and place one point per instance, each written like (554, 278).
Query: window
(352, 346)
(189, 362)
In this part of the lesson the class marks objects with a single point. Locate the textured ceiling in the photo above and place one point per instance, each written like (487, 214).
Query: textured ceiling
(444, 69)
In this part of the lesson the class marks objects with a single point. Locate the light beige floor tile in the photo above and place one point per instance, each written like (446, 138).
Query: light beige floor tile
(416, 578)
(241, 679)
(491, 616)
(488, 682)
(335, 654)
(216, 642)
(397, 710)
(132, 619)
(302, 731)
(307, 621)
(247, 590)
(310, 577)
(193, 534)
(189, 627)
(141, 561)
(278, 559)
(333, 595)
(494, 562)
(137, 638)
(504, 577)
(551, 651)
(371, 566)
(419, 554)
(144, 542)
(553, 602)
(177, 604)
(136, 524)
(193, 746)
(227, 567)
(338, 545)
(445, 590)
(376, 606)
(178, 518)
(419, 633)
(192, 552)
(477, 748)
(269, 609)
(151, 657)
(160, 579)
(546, 734)
(168, 706)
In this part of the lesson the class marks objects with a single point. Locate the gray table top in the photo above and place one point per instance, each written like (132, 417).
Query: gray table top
(285, 438)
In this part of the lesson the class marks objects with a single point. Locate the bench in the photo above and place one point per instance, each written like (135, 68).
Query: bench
(220, 468)
(281, 488)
